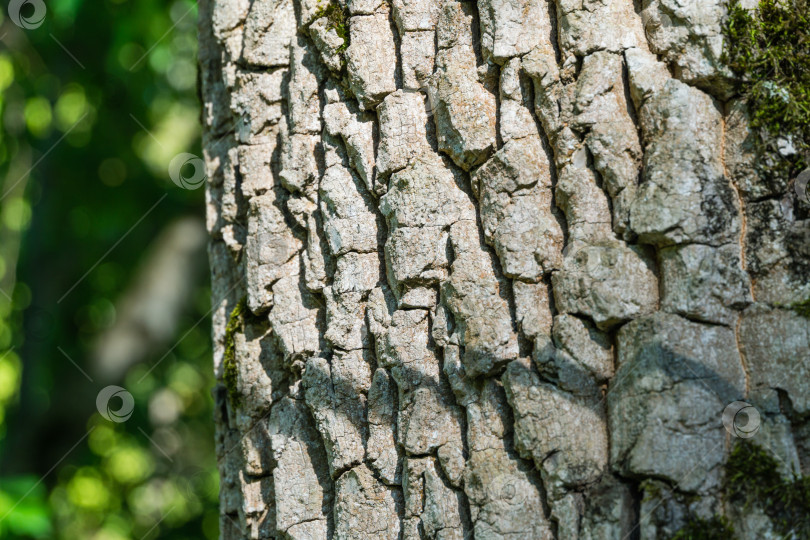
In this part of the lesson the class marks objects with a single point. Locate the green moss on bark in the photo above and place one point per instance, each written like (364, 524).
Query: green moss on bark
(801, 308)
(753, 479)
(769, 51)
(714, 528)
(336, 16)
(229, 370)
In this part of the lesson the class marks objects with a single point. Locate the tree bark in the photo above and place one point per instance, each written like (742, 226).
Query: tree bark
(490, 270)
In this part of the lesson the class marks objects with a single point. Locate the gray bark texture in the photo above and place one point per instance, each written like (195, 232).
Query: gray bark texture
(490, 270)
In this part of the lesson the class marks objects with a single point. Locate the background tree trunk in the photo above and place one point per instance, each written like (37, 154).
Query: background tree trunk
(490, 270)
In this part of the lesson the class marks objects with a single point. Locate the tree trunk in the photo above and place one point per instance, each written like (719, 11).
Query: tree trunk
(491, 270)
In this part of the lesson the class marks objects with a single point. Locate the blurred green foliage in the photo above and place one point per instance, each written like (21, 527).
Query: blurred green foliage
(94, 103)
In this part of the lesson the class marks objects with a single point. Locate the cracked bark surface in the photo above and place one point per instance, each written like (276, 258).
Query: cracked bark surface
(504, 264)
